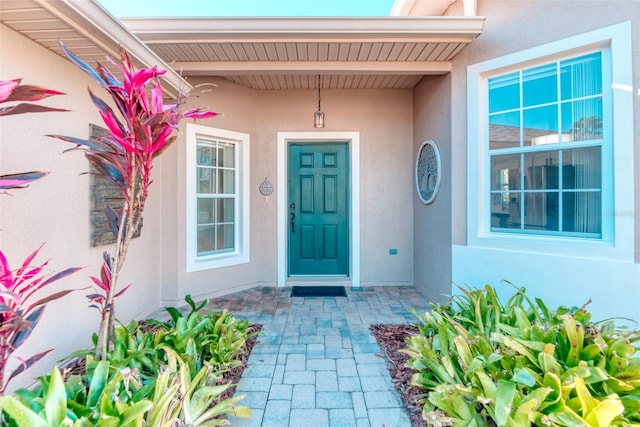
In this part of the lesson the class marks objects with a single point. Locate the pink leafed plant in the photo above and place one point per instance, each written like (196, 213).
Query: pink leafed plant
(20, 308)
(140, 128)
(19, 180)
(13, 91)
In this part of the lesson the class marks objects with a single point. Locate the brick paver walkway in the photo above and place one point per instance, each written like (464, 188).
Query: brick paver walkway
(316, 363)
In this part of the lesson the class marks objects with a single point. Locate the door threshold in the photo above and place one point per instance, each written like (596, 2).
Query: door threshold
(318, 280)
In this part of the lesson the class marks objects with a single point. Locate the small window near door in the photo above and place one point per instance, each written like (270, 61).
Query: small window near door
(217, 198)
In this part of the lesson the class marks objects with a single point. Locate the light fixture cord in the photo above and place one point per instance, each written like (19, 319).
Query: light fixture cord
(318, 92)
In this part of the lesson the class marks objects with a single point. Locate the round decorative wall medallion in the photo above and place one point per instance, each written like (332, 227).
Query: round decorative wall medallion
(428, 172)
(266, 188)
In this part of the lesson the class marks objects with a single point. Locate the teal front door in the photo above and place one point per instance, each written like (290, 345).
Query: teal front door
(318, 216)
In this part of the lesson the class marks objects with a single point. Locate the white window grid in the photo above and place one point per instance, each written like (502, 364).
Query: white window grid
(618, 184)
(239, 251)
(605, 143)
(218, 192)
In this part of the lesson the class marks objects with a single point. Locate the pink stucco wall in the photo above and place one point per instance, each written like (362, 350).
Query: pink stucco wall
(383, 118)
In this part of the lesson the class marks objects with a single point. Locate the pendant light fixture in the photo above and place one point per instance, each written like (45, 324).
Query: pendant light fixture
(318, 116)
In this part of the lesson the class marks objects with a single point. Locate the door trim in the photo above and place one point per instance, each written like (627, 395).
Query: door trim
(353, 141)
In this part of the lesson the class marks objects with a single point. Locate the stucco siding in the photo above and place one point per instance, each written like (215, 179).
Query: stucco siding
(511, 27)
(55, 210)
(237, 106)
(432, 223)
(383, 118)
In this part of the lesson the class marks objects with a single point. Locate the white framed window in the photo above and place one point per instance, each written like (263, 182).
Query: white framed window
(548, 140)
(547, 154)
(217, 222)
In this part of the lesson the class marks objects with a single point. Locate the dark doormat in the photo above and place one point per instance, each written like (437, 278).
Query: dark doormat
(318, 291)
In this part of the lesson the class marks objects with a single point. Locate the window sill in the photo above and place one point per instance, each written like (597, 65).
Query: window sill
(552, 245)
(212, 262)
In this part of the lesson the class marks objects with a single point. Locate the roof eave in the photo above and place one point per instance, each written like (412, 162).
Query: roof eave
(93, 21)
(164, 30)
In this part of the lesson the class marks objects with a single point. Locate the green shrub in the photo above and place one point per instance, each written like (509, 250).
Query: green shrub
(485, 363)
(110, 397)
(217, 337)
(157, 373)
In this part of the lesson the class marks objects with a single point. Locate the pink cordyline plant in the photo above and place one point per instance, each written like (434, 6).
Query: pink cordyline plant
(139, 129)
(13, 91)
(20, 309)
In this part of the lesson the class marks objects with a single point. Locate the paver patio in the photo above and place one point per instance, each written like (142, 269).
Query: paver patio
(316, 362)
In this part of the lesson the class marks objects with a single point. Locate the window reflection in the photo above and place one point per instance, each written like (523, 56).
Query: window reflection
(539, 183)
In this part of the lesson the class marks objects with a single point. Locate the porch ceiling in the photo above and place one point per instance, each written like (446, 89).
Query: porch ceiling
(260, 53)
(288, 53)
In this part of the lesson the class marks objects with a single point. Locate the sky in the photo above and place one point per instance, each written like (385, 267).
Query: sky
(225, 8)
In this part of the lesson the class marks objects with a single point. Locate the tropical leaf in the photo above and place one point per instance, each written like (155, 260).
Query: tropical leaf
(28, 93)
(19, 180)
(60, 275)
(20, 413)
(23, 326)
(26, 364)
(198, 114)
(6, 87)
(106, 166)
(605, 412)
(504, 400)
(94, 144)
(51, 297)
(23, 108)
(83, 65)
(55, 405)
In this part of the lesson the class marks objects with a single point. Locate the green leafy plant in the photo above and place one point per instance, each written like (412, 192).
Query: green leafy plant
(485, 363)
(50, 410)
(140, 128)
(184, 334)
(198, 392)
(136, 349)
(177, 365)
(110, 396)
(216, 338)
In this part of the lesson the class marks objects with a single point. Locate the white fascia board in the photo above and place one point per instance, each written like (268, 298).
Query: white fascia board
(103, 25)
(247, 30)
(230, 68)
